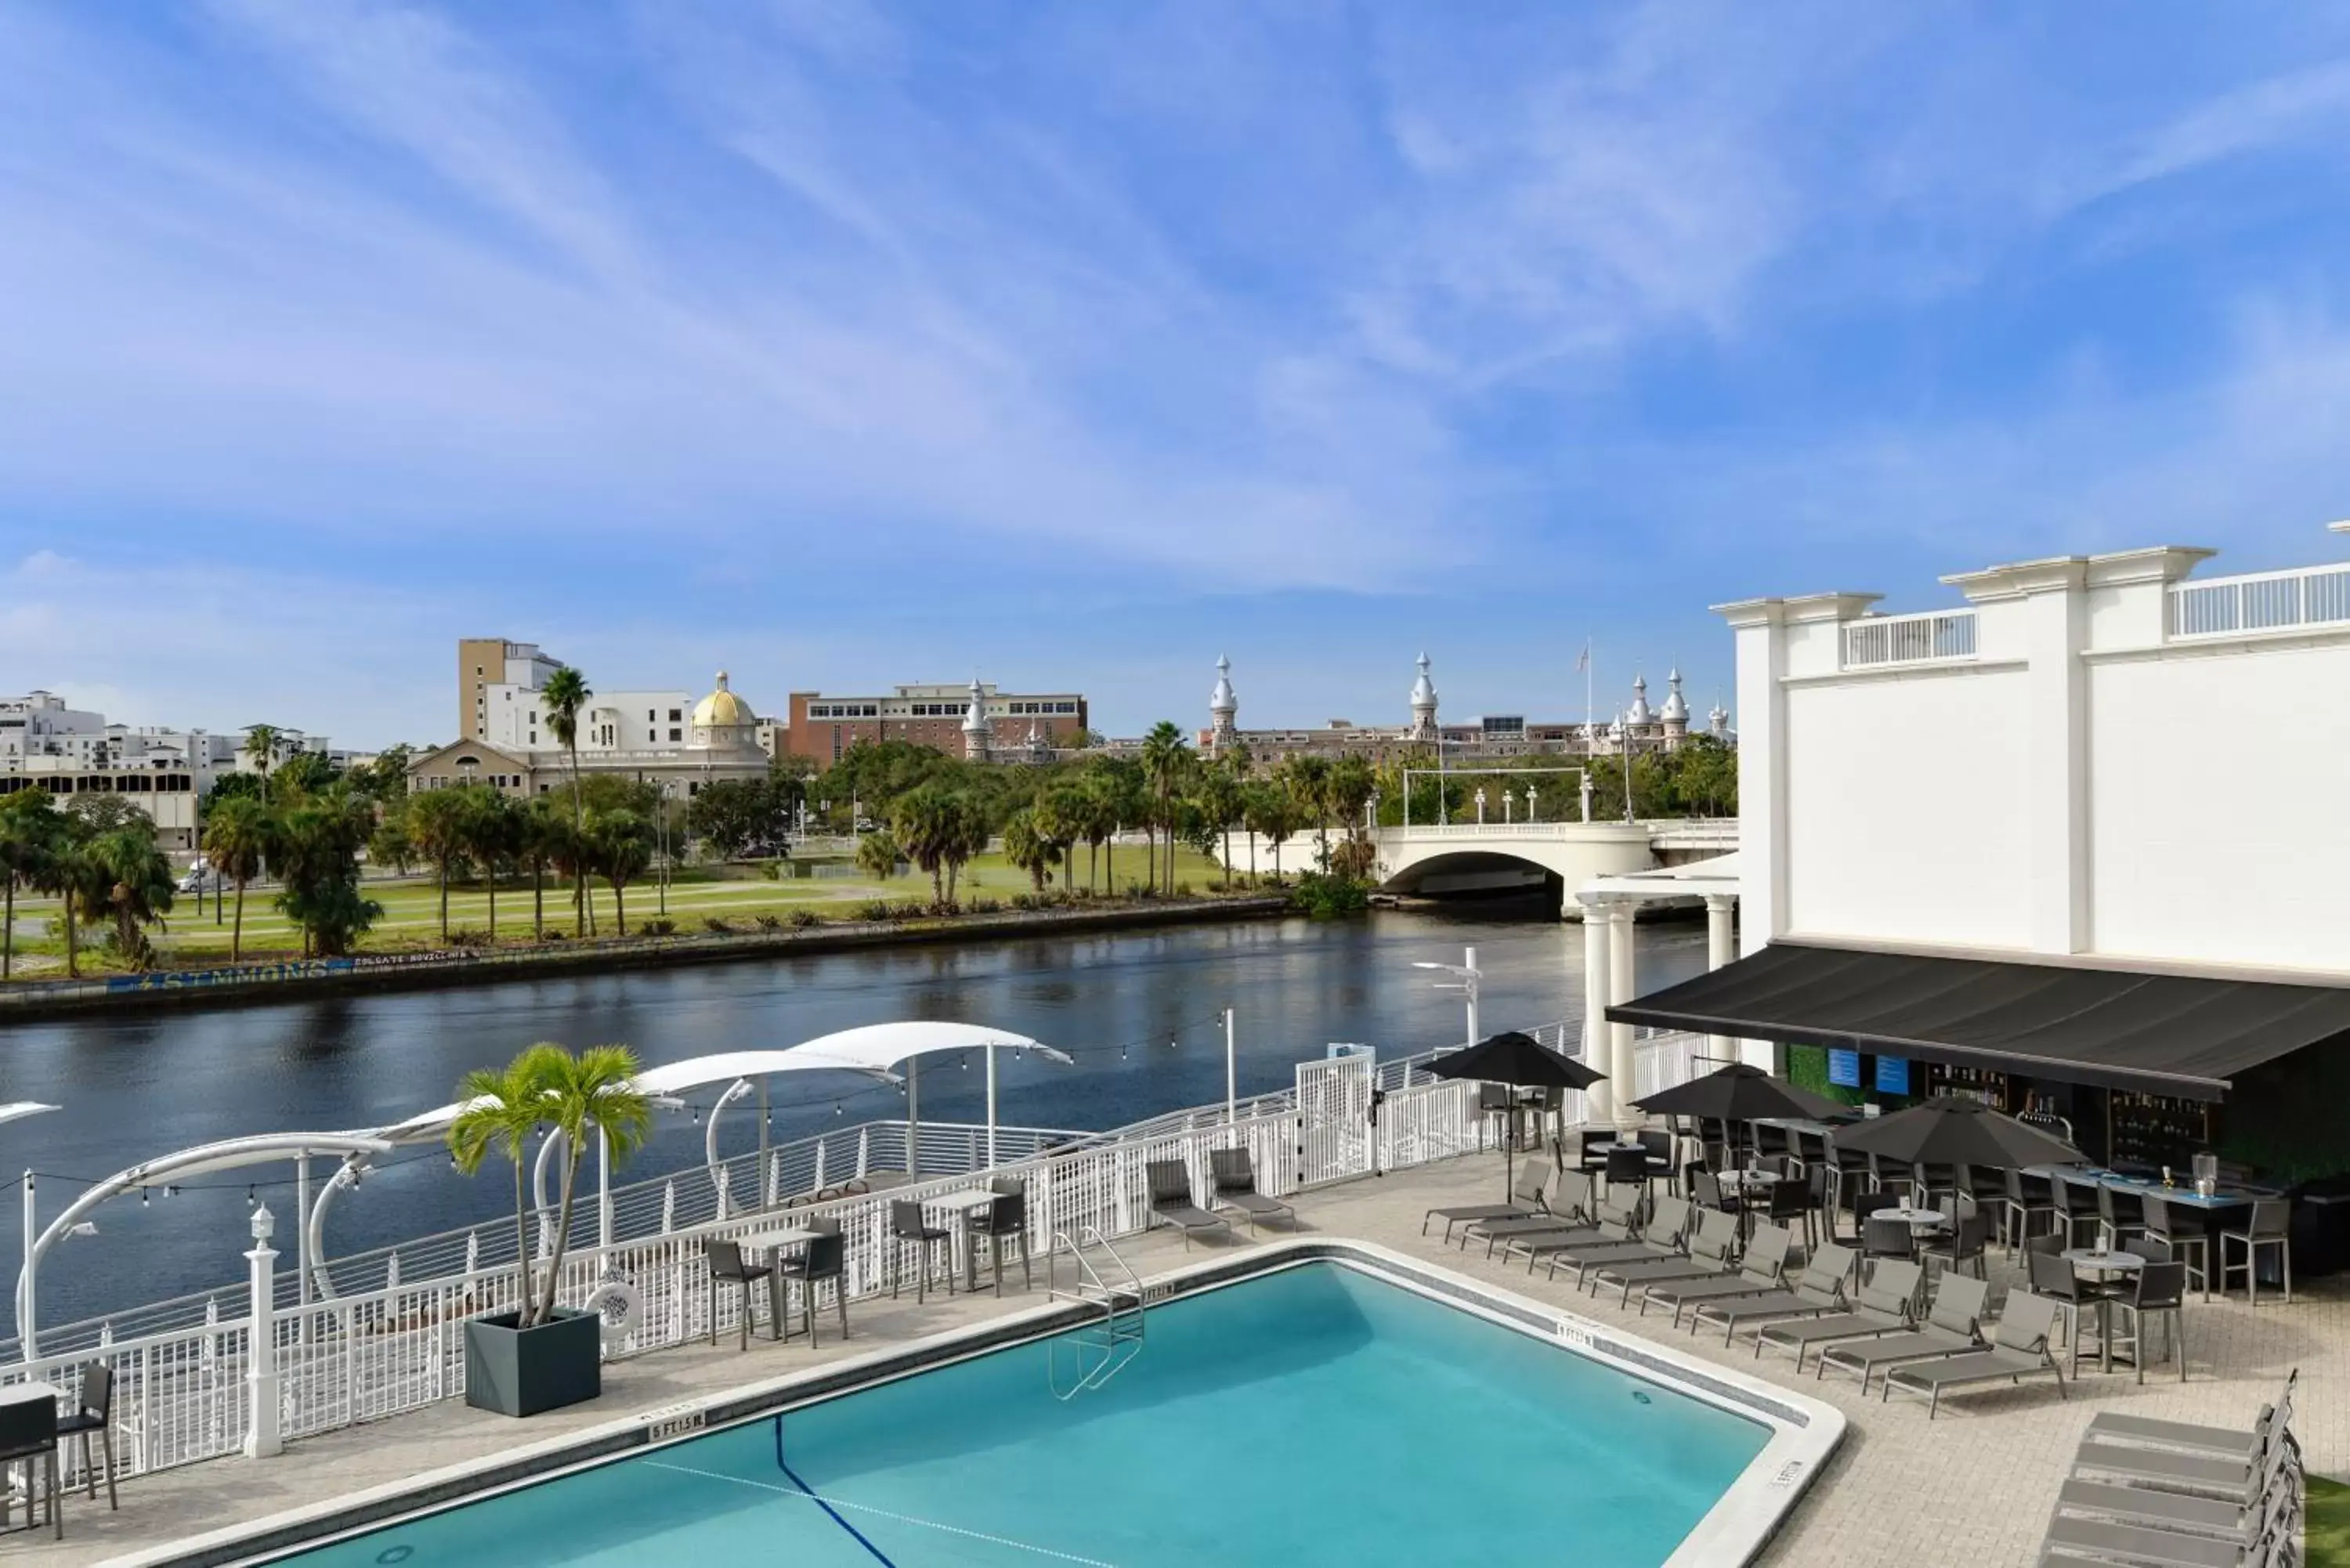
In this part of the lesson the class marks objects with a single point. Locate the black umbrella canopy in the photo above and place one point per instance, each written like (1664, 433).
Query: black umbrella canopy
(1738, 1092)
(1952, 1130)
(1521, 1061)
(1517, 1059)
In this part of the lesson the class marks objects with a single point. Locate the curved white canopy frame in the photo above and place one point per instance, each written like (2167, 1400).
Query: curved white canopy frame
(12, 1111)
(744, 1069)
(878, 1046)
(204, 1159)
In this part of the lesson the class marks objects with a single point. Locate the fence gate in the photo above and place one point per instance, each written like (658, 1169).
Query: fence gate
(1334, 1119)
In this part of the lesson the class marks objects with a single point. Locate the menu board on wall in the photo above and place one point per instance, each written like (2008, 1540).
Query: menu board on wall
(1843, 1068)
(1893, 1075)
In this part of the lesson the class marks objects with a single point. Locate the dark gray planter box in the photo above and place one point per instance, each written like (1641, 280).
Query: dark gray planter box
(522, 1371)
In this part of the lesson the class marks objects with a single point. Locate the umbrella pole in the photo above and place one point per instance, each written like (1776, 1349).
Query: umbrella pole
(913, 1115)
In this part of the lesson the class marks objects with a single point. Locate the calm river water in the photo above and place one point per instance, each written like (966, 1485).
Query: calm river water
(1139, 1010)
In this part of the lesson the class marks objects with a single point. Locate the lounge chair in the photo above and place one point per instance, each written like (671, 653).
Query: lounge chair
(1525, 1197)
(1881, 1306)
(1712, 1253)
(1817, 1291)
(1233, 1175)
(2017, 1348)
(1954, 1323)
(2260, 1537)
(1620, 1238)
(1567, 1209)
(2116, 1427)
(1170, 1201)
(1763, 1269)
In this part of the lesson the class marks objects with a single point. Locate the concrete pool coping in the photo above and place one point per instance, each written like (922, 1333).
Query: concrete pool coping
(1803, 1431)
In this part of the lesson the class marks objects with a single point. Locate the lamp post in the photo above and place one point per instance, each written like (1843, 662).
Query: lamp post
(1465, 977)
(1481, 805)
(1509, 806)
(1530, 803)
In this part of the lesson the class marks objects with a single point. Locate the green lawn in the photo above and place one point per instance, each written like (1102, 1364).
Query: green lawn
(2329, 1524)
(412, 919)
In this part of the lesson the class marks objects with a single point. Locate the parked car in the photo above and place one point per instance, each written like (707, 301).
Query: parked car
(200, 879)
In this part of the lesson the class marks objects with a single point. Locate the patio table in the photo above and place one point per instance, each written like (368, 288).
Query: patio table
(775, 1243)
(966, 1203)
(2096, 1260)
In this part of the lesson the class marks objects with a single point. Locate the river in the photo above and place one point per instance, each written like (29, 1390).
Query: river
(1139, 1010)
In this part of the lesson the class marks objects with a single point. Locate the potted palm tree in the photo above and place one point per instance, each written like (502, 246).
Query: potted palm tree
(539, 1355)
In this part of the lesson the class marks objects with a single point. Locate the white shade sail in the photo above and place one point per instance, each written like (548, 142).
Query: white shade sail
(886, 1044)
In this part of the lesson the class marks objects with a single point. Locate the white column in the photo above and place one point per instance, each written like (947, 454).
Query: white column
(1621, 988)
(1720, 947)
(261, 1435)
(1232, 1066)
(1600, 1098)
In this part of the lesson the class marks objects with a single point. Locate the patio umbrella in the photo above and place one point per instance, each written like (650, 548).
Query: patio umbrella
(1521, 1062)
(1738, 1092)
(1951, 1130)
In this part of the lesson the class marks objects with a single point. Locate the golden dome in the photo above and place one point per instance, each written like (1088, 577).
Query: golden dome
(721, 710)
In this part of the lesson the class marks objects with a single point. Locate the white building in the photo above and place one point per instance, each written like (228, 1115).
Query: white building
(662, 737)
(2073, 845)
(39, 725)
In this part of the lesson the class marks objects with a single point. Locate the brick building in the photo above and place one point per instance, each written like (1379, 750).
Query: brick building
(822, 728)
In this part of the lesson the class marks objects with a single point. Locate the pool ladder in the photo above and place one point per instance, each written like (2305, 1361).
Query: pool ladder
(1101, 1345)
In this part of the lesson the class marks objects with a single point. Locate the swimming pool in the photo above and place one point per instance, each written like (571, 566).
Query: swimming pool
(1320, 1412)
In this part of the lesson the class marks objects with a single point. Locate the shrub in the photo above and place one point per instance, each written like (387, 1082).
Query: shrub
(715, 926)
(1326, 898)
(769, 922)
(657, 928)
(984, 906)
(876, 910)
(1182, 890)
(552, 933)
(801, 919)
(462, 936)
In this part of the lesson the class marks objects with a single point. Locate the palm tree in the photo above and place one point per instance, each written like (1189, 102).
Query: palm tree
(876, 853)
(318, 844)
(77, 877)
(1272, 815)
(237, 831)
(261, 743)
(136, 879)
(1348, 791)
(1060, 818)
(591, 1094)
(622, 845)
(438, 821)
(30, 831)
(1220, 798)
(924, 821)
(1028, 845)
(966, 835)
(502, 1109)
(493, 831)
(1308, 779)
(537, 835)
(1163, 760)
(566, 692)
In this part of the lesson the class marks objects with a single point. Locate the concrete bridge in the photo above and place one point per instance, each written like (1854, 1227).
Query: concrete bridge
(1499, 857)
(1474, 857)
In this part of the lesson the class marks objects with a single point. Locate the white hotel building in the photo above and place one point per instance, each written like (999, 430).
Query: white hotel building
(2077, 844)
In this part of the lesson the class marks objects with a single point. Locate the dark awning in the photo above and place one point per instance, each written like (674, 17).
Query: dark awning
(2158, 1033)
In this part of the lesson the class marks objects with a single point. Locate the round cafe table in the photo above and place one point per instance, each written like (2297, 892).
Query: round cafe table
(2106, 1265)
(1915, 1218)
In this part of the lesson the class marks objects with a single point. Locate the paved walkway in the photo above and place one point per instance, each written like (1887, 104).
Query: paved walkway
(1969, 1489)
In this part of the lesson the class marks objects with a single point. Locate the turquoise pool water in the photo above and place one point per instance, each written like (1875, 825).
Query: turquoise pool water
(1315, 1415)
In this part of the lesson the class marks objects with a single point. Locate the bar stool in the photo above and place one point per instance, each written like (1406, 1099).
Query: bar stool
(2160, 1291)
(1884, 1174)
(2120, 1215)
(1848, 1175)
(2190, 1247)
(727, 1267)
(28, 1436)
(2272, 1226)
(910, 1223)
(2027, 1196)
(2078, 1206)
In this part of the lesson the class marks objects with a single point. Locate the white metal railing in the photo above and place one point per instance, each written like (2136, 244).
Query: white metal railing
(803, 1168)
(364, 1355)
(1929, 637)
(2260, 601)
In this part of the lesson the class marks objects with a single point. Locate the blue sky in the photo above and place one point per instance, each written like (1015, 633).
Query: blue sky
(1074, 344)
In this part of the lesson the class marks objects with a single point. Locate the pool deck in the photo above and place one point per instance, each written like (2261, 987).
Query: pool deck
(1971, 1490)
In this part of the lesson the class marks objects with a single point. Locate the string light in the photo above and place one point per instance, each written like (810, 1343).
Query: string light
(142, 1198)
